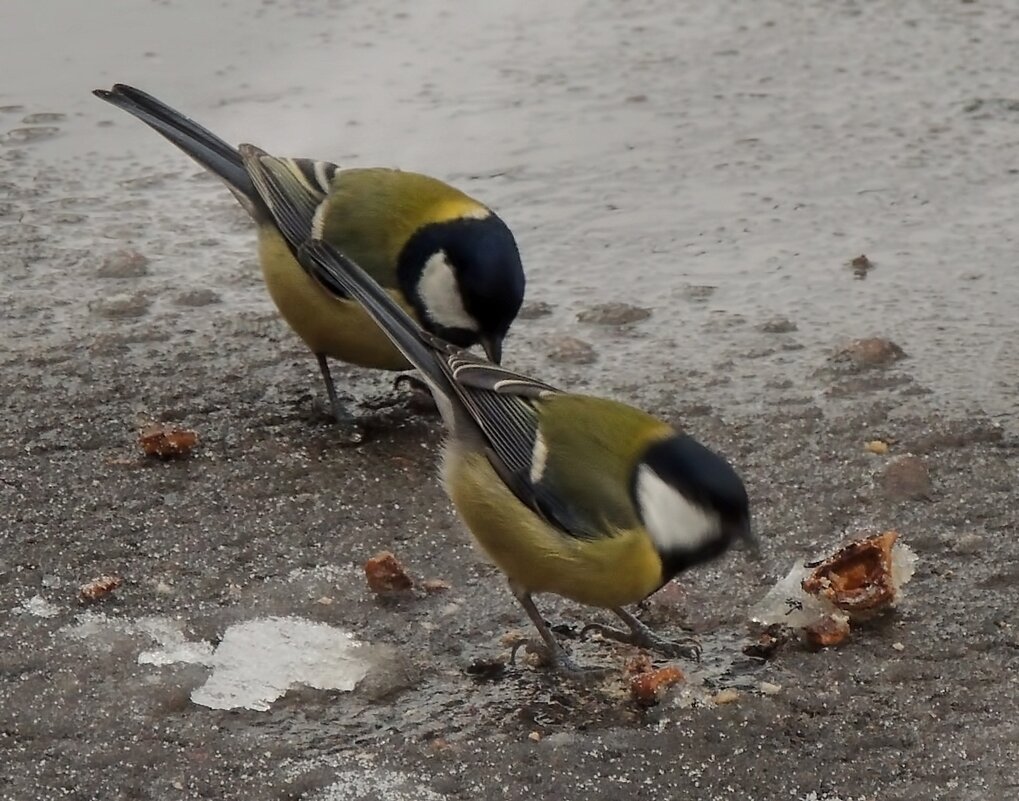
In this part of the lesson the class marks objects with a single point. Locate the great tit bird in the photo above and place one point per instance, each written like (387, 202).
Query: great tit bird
(579, 496)
(445, 258)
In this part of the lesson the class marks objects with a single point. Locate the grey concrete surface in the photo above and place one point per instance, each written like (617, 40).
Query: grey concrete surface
(718, 164)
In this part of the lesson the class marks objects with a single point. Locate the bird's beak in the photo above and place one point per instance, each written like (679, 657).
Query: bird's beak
(493, 348)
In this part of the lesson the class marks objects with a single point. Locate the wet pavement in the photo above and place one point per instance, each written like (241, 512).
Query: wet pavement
(711, 170)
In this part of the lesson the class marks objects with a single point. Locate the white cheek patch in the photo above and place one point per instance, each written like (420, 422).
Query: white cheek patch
(440, 294)
(674, 523)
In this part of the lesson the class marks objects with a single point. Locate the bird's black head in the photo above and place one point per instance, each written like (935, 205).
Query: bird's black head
(691, 501)
(465, 280)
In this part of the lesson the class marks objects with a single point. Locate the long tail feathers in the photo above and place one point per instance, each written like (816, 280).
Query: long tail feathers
(199, 143)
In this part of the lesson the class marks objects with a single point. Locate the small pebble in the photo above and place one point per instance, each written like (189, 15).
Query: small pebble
(570, 350)
(698, 293)
(906, 478)
(768, 688)
(727, 696)
(120, 306)
(861, 266)
(777, 325)
(898, 646)
(43, 117)
(614, 314)
(197, 297)
(534, 736)
(864, 354)
(968, 544)
(880, 447)
(535, 309)
(24, 136)
(125, 263)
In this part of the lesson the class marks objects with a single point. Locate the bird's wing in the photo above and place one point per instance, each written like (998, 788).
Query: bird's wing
(296, 194)
(291, 189)
(508, 409)
(559, 458)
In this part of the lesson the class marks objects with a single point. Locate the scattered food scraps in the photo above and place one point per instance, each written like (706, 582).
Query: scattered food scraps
(98, 588)
(857, 582)
(726, 696)
(165, 441)
(828, 631)
(486, 669)
(386, 575)
(907, 478)
(768, 642)
(570, 350)
(639, 664)
(876, 446)
(861, 266)
(648, 684)
(434, 585)
(613, 313)
(863, 354)
(858, 578)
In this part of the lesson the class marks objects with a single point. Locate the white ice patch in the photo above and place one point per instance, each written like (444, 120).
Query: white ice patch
(372, 784)
(102, 632)
(256, 662)
(358, 779)
(259, 660)
(37, 606)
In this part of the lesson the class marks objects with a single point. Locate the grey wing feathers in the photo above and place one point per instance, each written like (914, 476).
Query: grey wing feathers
(512, 426)
(473, 371)
(286, 189)
(318, 175)
(500, 403)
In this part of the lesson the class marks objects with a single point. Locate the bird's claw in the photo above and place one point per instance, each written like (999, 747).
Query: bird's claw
(411, 383)
(686, 648)
(420, 395)
(350, 432)
(557, 659)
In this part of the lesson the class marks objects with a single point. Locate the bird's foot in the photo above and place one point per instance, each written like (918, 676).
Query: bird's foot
(421, 399)
(643, 637)
(410, 382)
(558, 659)
(349, 431)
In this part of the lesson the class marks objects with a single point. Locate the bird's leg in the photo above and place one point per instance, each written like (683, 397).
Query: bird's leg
(560, 660)
(343, 418)
(642, 636)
